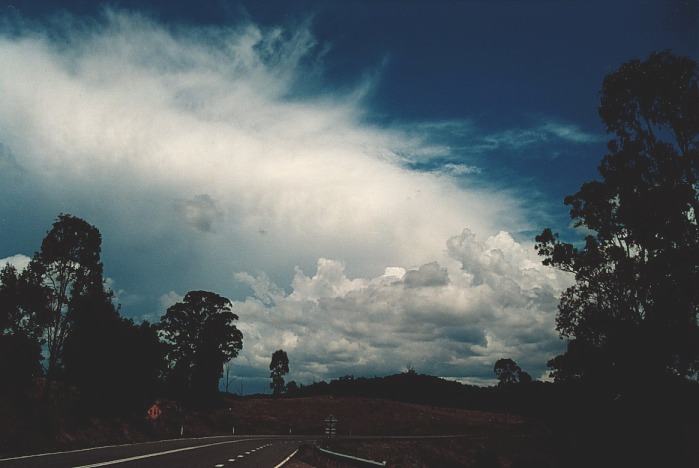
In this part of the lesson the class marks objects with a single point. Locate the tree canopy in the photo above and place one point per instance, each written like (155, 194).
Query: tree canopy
(633, 308)
(68, 266)
(60, 301)
(201, 337)
(279, 367)
(508, 372)
(115, 364)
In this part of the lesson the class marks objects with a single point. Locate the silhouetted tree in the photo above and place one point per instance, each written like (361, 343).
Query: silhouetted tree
(292, 388)
(201, 337)
(115, 364)
(68, 266)
(508, 372)
(20, 364)
(23, 302)
(22, 316)
(279, 367)
(524, 377)
(632, 313)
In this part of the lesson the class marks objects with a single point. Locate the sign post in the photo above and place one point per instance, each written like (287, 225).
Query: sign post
(331, 426)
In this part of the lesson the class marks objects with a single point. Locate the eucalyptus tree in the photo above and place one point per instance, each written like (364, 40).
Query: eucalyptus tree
(68, 267)
(201, 336)
(279, 367)
(632, 312)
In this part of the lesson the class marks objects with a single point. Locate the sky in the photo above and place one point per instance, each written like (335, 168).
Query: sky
(363, 180)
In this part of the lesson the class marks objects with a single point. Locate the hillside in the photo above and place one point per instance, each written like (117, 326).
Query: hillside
(361, 416)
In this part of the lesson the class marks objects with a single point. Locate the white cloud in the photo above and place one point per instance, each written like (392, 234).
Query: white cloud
(466, 140)
(201, 212)
(494, 299)
(459, 169)
(19, 261)
(429, 274)
(519, 138)
(570, 133)
(168, 299)
(139, 123)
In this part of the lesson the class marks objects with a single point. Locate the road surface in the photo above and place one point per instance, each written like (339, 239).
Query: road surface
(209, 452)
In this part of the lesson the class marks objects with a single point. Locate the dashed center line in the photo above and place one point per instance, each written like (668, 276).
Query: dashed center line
(157, 454)
(233, 460)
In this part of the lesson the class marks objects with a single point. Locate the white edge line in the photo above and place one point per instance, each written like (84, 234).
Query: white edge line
(87, 449)
(149, 455)
(286, 459)
(350, 457)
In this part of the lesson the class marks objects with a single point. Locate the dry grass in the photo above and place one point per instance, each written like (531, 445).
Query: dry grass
(360, 416)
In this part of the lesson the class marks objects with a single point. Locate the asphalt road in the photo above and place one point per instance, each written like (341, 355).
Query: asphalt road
(210, 452)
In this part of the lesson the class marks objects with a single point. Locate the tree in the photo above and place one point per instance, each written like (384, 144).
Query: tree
(68, 266)
(115, 364)
(20, 364)
(292, 388)
(201, 337)
(508, 372)
(524, 377)
(279, 367)
(22, 316)
(632, 312)
(23, 302)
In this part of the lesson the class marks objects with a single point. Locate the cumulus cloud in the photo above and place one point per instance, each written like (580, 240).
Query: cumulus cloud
(19, 261)
(494, 300)
(430, 274)
(150, 131)
(168, 299)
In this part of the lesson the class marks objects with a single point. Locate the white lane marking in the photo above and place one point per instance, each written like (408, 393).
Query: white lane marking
(149, 455)
(88, 449)
(220, 465)
(231, 460)
(241, 456)
(286, 459)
